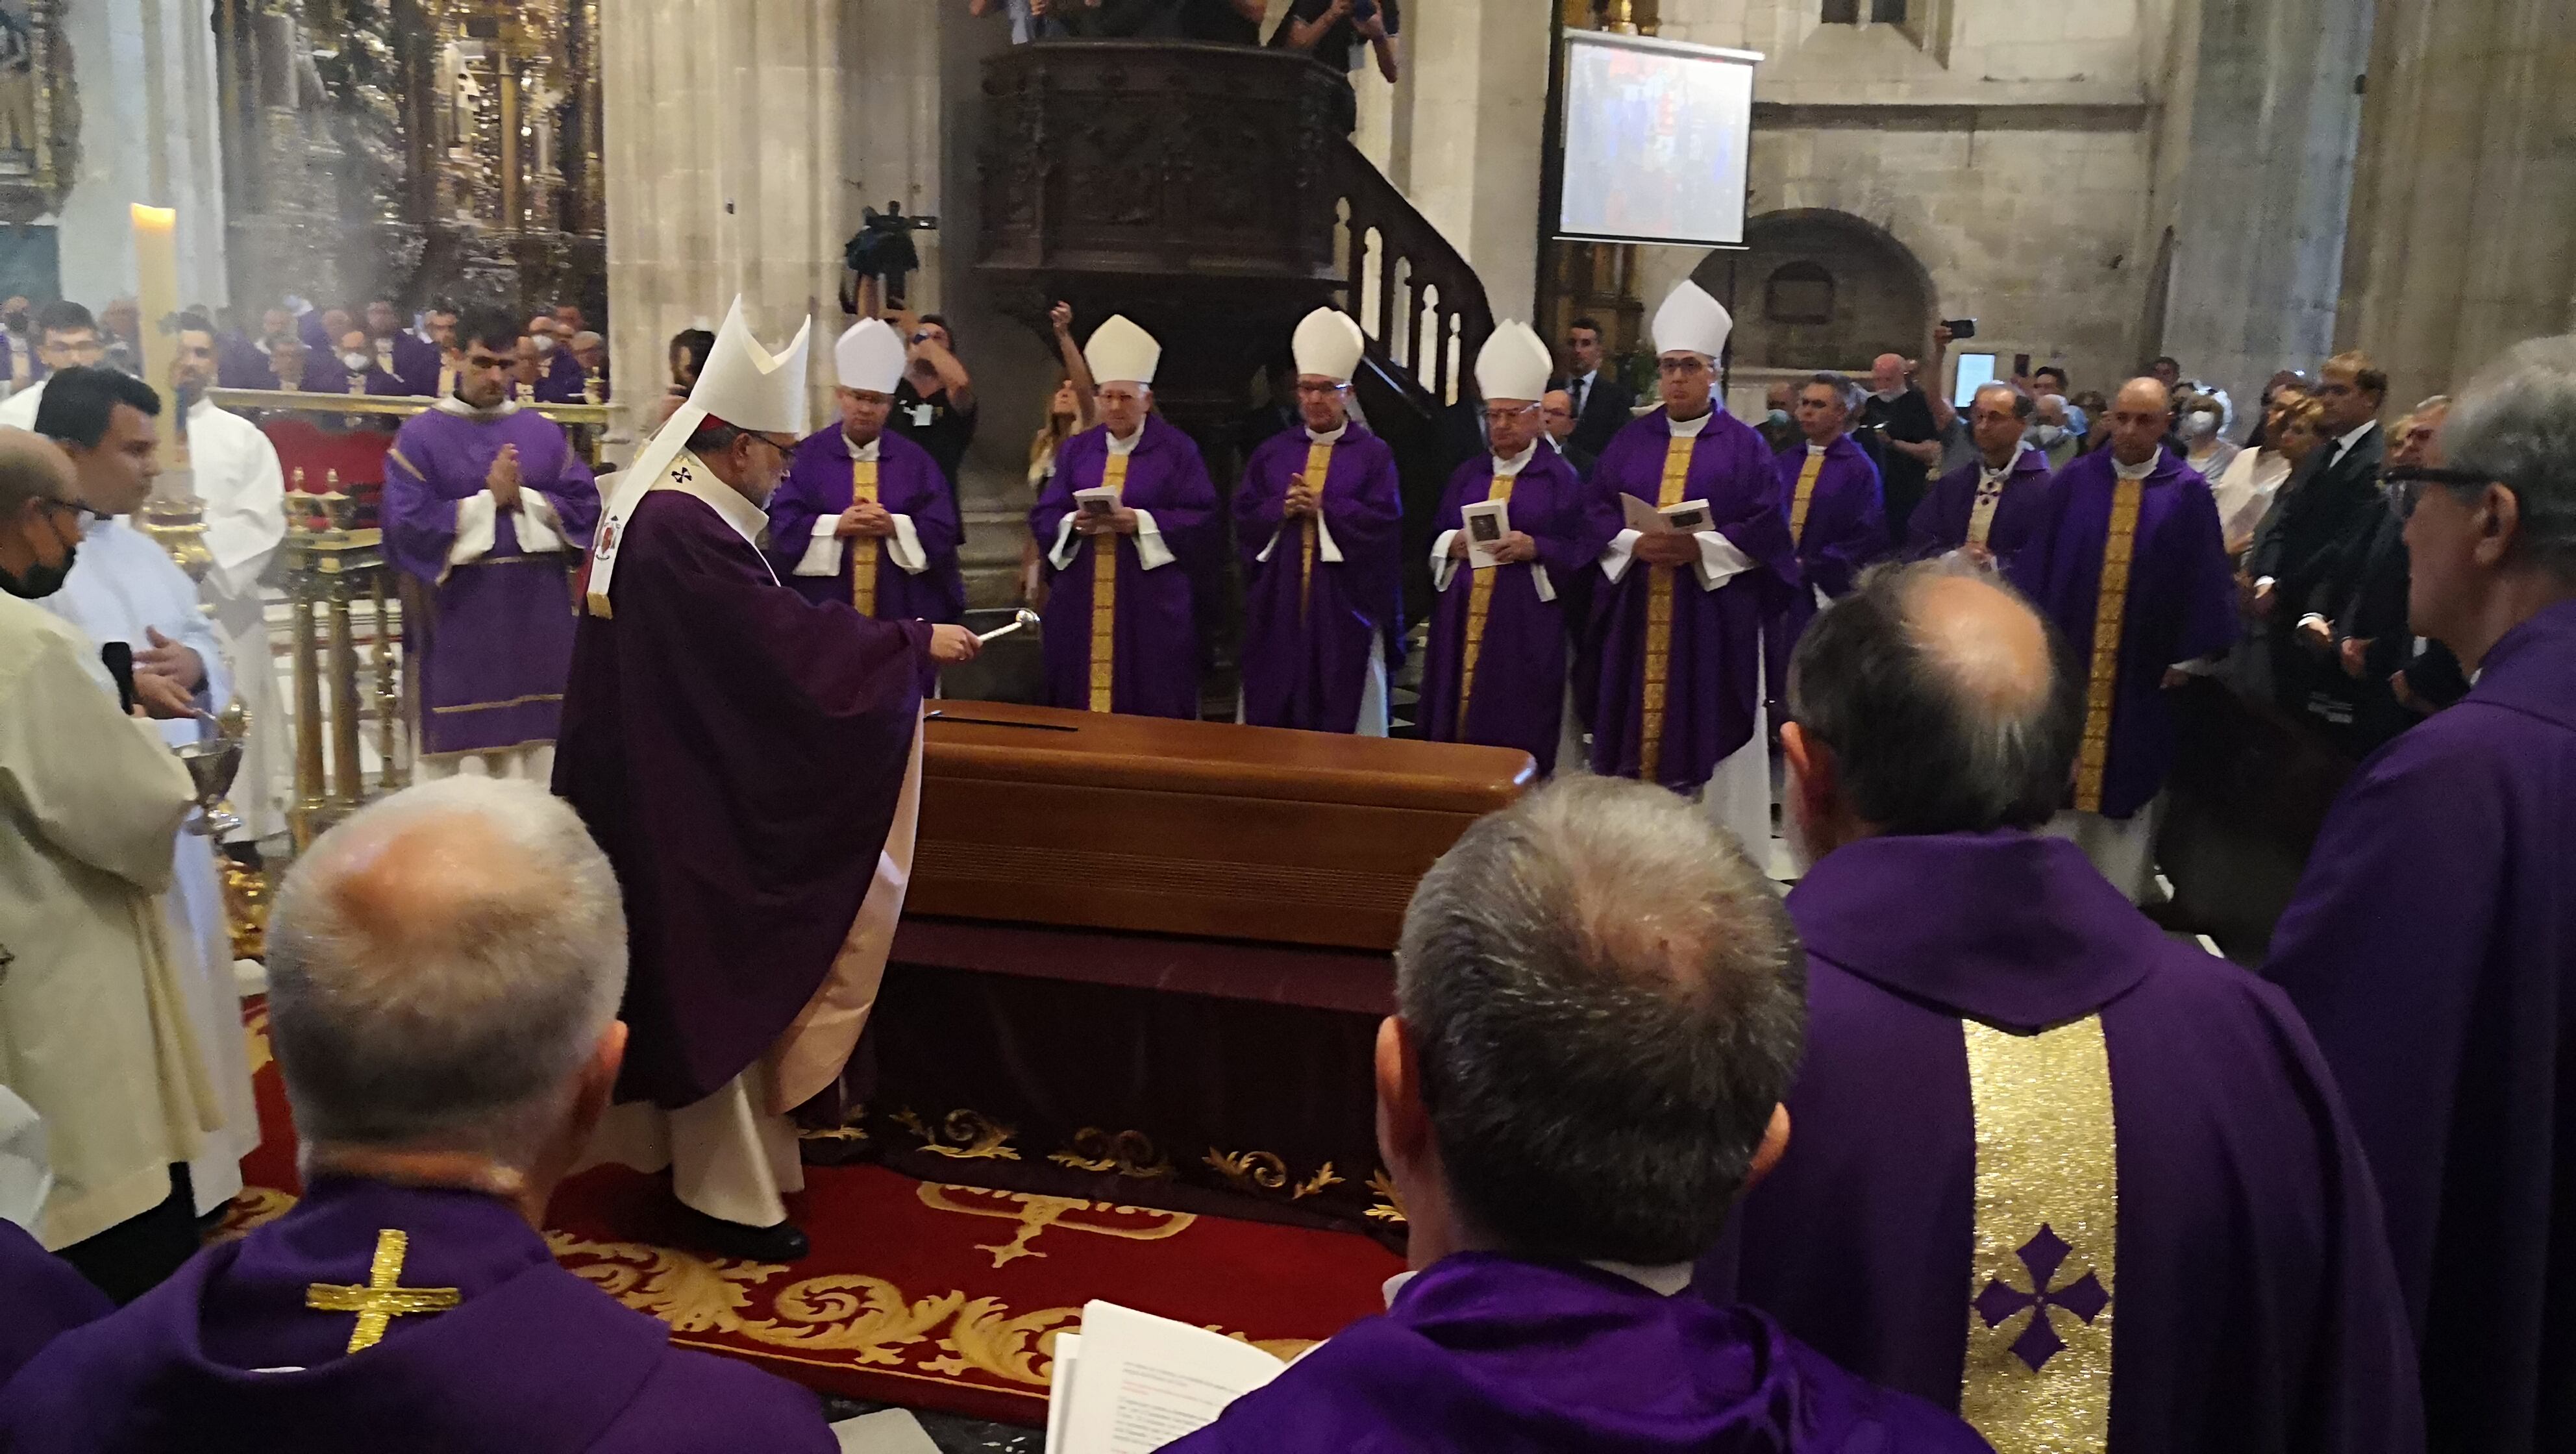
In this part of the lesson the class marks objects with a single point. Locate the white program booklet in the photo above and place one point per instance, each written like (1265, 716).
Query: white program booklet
(1688, 518)
(1130, 1382)
(1486, 523)
(1098, 500)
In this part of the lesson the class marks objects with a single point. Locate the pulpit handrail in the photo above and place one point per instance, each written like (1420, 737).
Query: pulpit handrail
(1392, 312)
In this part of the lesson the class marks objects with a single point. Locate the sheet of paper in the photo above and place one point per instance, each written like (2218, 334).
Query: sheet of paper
(1142, 1381)
(887, 1431)
(1643, 518)
(1068, 1348)
(1098, 500)
(1486, 523)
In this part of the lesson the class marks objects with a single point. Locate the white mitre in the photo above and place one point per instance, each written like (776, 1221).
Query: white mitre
(1514, 364)
(744, 385)
(1122, 353)
(1328, 344)
(1691, 322)
(870, 357)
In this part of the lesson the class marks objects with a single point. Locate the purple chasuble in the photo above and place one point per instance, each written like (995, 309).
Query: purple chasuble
(415, 364)
(1498, 1355)
(1154, 663)
(2432, 946)
(1306, 638)
(818, 488)
(1518, 698)
(1846, 529)
(738, 751)
(2181, 601)
(41, 1297)
(1940, 523)
(563, 381)
(227, 1357)
(493, 634)
(239, 363)
(2253, 1307)
(1714, 681)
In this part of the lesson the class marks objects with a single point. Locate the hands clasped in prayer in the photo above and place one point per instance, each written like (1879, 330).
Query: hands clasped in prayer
(503, 478)
(866, 518)
(1304, 500)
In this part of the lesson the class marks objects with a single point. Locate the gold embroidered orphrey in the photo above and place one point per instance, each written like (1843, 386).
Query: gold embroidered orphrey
(1104, 593)
(1319, 463)
(2037, 1376)
(384, 1298)
(1480, 602)
(863, 550)
(1658, 667)
(2110, 611)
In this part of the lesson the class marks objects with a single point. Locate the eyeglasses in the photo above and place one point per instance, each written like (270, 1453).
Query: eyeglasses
(2406, 484)
(1506, 416)
(1319, 391)
(55, 509)
(1686, 366)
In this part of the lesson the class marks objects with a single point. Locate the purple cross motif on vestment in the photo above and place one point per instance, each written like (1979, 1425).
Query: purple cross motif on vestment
(2084, 1297)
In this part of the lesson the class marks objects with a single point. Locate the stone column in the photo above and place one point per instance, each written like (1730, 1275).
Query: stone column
(2465, 192)
(723, 142)
(1479, 121)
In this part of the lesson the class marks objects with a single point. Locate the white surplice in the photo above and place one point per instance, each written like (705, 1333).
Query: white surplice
(94, 1028)
(121, 583)
(235, 472)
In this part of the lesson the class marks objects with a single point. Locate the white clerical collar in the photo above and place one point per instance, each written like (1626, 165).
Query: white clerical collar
(2140, 470)
(1127, 445)
(1333, 438)
(1507, 468)
(1815, 448)
(450, 404)
(690, 476)
(864, 453)
(1689, 428)
(1663, 1281)
(1992, 470)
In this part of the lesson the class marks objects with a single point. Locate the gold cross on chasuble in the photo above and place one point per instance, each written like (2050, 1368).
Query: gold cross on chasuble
(863, 548)
(1981, 514)
(1319, 461)
(1658, 668)
(1805, 496)
(2110, 611)
(1480, 599)
(2041, 1290)
(1104, 591)
(383, 1299)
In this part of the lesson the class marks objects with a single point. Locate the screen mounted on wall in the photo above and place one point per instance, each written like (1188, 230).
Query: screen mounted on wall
(1654, 143)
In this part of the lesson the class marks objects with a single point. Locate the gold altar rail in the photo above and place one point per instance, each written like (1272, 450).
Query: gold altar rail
(400, 406)
(328, 569)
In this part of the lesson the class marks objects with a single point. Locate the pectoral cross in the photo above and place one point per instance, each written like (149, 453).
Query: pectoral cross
(384, 1298)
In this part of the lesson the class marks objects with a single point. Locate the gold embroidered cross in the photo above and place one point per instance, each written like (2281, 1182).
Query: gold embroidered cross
(384, 1298)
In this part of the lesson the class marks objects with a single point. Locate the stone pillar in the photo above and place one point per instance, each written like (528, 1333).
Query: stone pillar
(2261, 201)
(2465, 191)
(1478, 123)
(145, 72)
(723, 143)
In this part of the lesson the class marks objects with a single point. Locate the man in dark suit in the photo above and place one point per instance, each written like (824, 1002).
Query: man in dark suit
(1556, 413)
(2326, 518)
(1602, 404)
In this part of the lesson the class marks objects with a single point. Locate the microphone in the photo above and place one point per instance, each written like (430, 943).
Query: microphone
(119, 657)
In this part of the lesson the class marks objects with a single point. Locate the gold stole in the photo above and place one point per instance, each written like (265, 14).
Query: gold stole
(446, 379)
(863, 548)
(2041, 1290)
(1659, 619)
(1319, 461)
(1981, 515)
(1480, 599)
(2110, 610)
(1104, 591)
(1806, 496)
(358, 382)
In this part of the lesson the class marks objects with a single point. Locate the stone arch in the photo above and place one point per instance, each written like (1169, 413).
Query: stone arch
(1877, 297)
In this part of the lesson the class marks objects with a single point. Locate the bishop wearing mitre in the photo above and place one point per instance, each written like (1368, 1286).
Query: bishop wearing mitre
(1319, 519)
(1679, 699)
(1514, 528)
(1123, 522)
(750, 759)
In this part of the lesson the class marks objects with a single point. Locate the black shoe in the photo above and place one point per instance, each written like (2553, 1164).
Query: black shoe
(785, 1242)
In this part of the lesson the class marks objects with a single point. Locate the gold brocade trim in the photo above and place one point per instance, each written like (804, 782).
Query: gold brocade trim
(1037, 1212)
(396, 456)
(962, 1136)
(1389, 1207)
(2037, 1376)
(1981, 513)
(1480, 601)
(1805, 496)
(1266, 1171)
(491, 706)
(1657, 669)
(1104, 593)
(1129, 1153)
(2110, 611)
(384, 1298)
(1319, 463)
(863, 549)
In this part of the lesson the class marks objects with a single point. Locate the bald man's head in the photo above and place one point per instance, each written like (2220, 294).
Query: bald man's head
(1933, 697)
(33, 468)
(2141, 417)
(1887, 375)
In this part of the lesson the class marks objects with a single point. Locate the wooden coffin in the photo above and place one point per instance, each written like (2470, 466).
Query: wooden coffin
(1044, 816)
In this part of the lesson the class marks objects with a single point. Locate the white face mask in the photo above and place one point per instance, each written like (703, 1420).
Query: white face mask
(355, 359)
(545, 343)
(2048, 434)
(2200, 423)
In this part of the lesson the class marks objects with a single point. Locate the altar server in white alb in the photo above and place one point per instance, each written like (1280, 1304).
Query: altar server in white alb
(124, 588)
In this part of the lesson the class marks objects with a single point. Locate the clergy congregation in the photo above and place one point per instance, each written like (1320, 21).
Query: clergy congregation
(1469, 725)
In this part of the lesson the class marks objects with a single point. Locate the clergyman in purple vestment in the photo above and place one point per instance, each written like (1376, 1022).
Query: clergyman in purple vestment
(2170, 597)
(444, 967)
(814, 541)
(2087, 1185)
(487, 510)
(44, 1295)
(1144, 622)
(1829, 493)
(1989, 506)
(1323, 597)
(2432, 942)
(1568, 1109)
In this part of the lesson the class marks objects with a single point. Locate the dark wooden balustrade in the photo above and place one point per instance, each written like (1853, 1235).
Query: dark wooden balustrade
(1421, 305)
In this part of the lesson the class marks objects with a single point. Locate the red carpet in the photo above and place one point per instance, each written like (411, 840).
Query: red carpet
(918, 1293)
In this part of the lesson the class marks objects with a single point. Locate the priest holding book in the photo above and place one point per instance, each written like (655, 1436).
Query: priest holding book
(1319, 522)
(1123, 521)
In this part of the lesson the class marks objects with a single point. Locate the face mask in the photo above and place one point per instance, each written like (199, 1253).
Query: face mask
(40, 580)
(2048, 434)
(545, 343)
(354, 359)
(2200, 423)
(1779, 419)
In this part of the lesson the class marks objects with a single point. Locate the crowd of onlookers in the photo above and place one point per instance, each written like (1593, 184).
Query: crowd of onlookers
(1346, 35)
